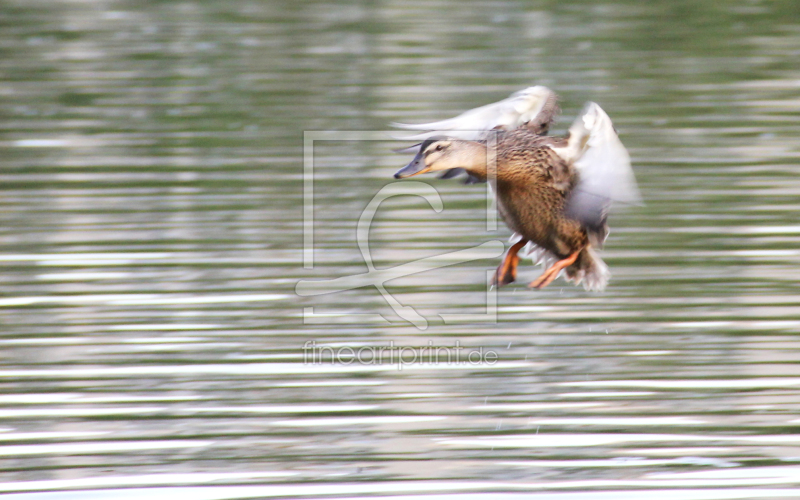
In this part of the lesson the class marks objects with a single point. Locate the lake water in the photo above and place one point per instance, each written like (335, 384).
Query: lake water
(153, 245)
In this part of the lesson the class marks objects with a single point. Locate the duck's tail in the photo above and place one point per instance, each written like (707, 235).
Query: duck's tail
(590, 270)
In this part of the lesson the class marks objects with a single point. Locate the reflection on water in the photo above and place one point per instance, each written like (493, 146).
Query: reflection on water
(152, 239)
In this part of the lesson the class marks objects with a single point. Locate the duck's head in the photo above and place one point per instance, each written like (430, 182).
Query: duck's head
(441, 153)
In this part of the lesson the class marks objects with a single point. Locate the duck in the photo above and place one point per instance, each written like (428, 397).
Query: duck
(554, 193)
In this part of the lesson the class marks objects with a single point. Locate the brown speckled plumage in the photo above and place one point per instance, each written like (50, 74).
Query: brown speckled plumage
(532, 188)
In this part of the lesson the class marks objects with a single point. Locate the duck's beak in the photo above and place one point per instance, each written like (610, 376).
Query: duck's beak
(417, 166)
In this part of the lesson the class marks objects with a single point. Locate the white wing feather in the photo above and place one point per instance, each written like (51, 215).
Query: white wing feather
(603, 165)
(510, 113)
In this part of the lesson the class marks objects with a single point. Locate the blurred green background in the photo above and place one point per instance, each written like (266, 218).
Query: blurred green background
(152, 237)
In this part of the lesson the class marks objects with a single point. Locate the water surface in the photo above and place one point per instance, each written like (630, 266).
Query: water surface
(152, 241)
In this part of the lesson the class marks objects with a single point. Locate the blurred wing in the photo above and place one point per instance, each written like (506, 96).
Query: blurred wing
(473, 119)
(457, 172)
(603, 164)
(540, 119)
(518, 109)
(467, 135)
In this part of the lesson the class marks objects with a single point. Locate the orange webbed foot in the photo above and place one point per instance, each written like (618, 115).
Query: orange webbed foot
(549, 275)
(507, 271)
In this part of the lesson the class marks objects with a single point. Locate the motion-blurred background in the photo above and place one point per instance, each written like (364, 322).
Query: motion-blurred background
(151, 238)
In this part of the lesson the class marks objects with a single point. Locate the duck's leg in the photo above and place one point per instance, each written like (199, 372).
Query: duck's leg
(507, 271)
(549, 275)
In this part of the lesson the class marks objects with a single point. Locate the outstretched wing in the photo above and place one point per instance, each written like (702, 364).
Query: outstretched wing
(513, 112)
(603, 165)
